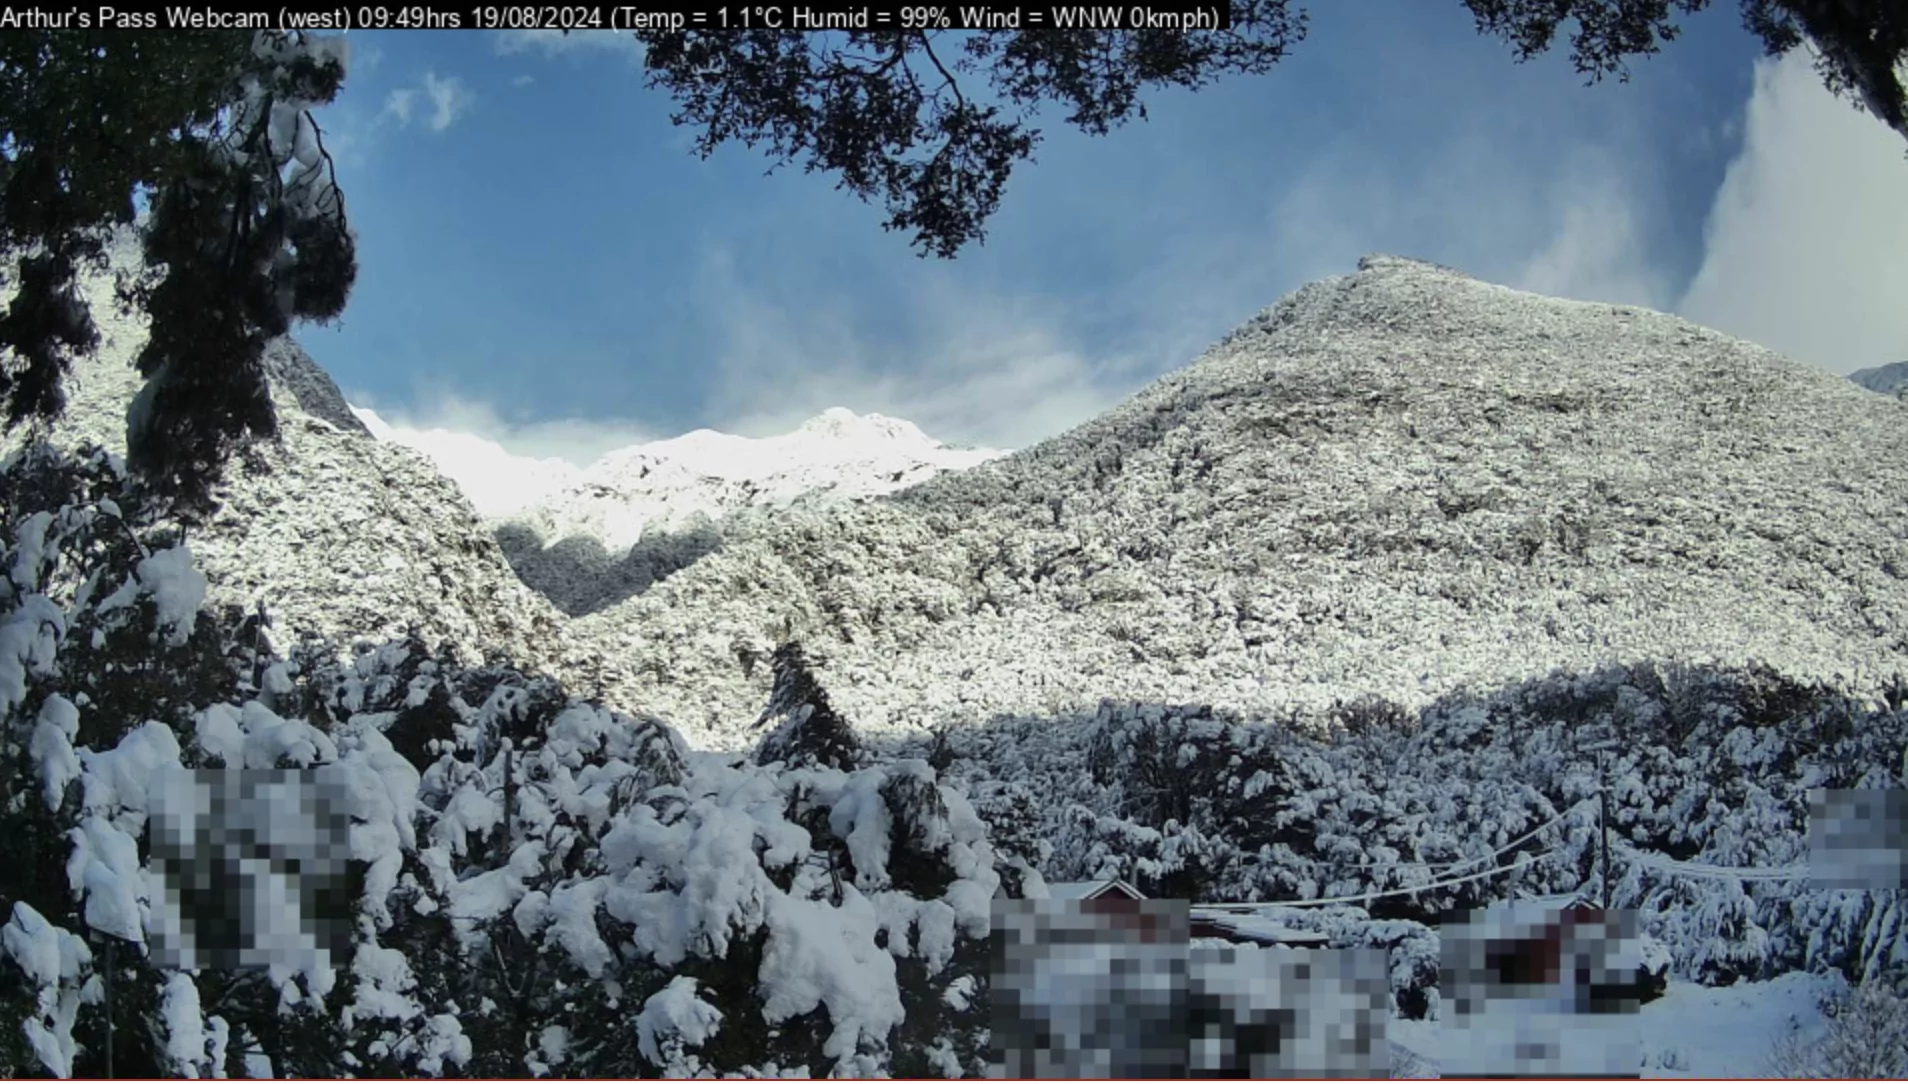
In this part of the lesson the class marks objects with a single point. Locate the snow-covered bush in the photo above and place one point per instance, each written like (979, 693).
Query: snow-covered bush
(1866, 1038)
(537, 884)
(109, 672)
(574, 868)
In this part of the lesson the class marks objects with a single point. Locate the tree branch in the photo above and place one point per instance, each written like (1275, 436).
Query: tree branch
(927, 44)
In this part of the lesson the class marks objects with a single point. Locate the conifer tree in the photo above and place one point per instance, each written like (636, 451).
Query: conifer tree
(806, 728)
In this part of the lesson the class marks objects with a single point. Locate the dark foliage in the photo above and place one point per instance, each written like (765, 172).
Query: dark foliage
(932, 123)
(242, 238)
(807, 729)
(1860, 44)
(888, 111)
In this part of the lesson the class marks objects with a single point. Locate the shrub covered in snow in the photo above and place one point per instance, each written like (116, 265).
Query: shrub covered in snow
(1866, 1038)
(110, 673)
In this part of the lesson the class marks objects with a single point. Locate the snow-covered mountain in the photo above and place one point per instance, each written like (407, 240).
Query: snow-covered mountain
(1395, 484)
(639, 513)
(336, 532)
(1890, 379)
(1391, 483)
(669, 484)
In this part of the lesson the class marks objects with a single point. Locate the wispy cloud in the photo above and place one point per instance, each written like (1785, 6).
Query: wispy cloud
(1573, 225)
(1598, 247)
(399, 103)
(1807, 243)
(982, 368)
(449, 99)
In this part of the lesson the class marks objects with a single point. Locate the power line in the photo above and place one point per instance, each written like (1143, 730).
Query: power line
(1451, 867)
(1522, 861)
(1715, 873)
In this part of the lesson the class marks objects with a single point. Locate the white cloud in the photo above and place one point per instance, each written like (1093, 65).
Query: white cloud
(991, 370)
(501, 466)
(523, 80)
(399, 105)
(552, 42)
(450, 99)
(1807, 243)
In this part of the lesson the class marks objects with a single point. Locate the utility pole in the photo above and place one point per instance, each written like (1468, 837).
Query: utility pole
(109, 1005)
(1603, 824)
(1601, 748)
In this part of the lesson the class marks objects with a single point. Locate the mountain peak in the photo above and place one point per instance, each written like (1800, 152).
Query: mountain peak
(1393, 483)
(1890, 379)
(579, 545)
(840, 423)
(1381, 261)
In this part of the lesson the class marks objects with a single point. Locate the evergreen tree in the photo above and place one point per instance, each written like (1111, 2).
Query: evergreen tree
(247, 230)
(806, 728)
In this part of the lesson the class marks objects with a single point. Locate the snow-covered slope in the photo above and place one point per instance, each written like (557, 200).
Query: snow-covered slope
(642, 512)
(1392, 483)
(1890, 379)
(335, 531)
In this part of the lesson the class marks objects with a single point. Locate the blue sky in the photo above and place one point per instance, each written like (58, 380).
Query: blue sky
(545, 265)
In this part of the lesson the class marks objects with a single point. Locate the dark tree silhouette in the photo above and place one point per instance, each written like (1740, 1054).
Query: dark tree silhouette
(246, 231)
(806, 729)
(901, 116)
(932, 123)
(1860, 46)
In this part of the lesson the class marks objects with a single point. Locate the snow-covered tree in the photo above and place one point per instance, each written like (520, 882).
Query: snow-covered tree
(246, 230)
(806, 729)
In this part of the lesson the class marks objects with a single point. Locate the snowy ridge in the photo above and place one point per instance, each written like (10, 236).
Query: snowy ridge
(337, 533)
(1890, 379)
(641, 513)
(1393, 483)
(668, 484)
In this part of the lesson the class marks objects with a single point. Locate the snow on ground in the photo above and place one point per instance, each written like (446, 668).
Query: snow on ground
(1691, 1031)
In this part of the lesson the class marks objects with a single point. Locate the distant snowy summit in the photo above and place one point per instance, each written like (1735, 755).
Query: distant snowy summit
(1891, 379)
(588, 537)
(671, 484)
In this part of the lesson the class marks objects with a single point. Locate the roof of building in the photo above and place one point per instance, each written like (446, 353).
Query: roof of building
(1091, 890)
